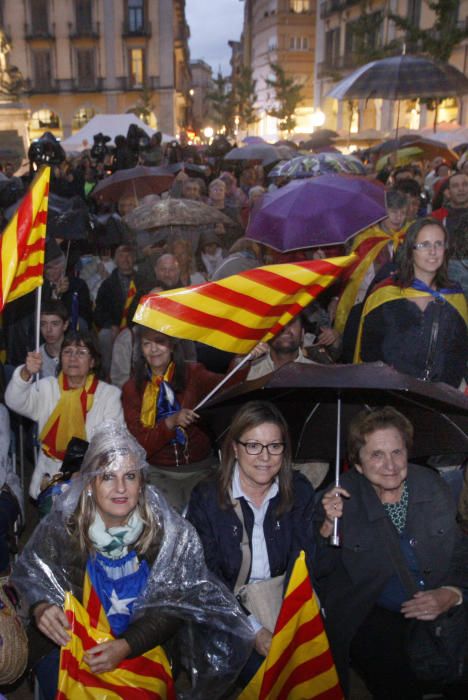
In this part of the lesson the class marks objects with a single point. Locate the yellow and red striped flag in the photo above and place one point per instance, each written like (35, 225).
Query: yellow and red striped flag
(236, 313)
(22, 244)
(146, 677)
(130, 294)
(299, 665)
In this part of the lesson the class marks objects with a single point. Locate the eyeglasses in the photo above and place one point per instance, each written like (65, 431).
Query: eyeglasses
(81, 353)
(256, 448)
(427, 245)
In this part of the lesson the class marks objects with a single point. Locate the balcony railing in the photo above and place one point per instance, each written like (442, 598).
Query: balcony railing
(130, 29)
(35, 31)
(88, 84)
(41, 86)
(85, 30)
(328, 7)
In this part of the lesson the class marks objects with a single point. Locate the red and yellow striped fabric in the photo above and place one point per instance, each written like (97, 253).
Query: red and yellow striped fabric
(130, 294)
(22, 244)
(299, 665)
(236, 313)
(146, 677)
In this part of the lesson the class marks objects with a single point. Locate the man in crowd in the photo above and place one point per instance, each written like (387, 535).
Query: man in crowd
(457, 207)
(283, 348)
(111, 302)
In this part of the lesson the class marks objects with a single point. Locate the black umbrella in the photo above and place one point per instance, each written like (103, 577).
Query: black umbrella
(307, 396)
(321, 137)
(401, 78)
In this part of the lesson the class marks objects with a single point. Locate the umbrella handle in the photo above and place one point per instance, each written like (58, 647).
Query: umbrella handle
(335, 537)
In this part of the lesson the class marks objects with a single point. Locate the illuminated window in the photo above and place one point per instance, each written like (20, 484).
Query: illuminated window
(299, 6)
(137, 67)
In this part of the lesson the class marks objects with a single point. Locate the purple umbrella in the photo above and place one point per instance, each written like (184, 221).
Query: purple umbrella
(321, 211)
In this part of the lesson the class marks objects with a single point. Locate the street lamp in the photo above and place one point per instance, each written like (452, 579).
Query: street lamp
(318, 118)
(208, 132)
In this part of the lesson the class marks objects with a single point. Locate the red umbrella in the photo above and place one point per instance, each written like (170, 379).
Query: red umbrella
(138, 181)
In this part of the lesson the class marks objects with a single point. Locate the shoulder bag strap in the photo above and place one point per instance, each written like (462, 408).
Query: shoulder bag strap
(245, 548)
(433, 341)
(396, 556)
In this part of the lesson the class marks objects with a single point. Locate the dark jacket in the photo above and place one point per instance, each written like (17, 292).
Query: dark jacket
(350, 578)
(80, 288)
(221, 530)
(398, 333)
(110, 302)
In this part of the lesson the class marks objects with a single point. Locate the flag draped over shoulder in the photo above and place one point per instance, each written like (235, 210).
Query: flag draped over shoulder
(367, 247)
(236, 313)
(299, 665)
(388, 291)
(146, 677)
(22, 243)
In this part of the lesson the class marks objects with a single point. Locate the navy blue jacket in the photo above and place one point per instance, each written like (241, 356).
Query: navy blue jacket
(221, 530)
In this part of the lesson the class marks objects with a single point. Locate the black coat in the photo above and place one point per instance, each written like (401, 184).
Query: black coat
(221, 530)
(351, 578)
(110, 302)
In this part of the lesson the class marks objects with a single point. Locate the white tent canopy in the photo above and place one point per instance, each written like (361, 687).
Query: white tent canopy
(108, 124)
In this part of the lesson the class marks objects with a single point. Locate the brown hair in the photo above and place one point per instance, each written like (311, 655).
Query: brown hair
(368, 421)
(405, 274)
(251, 415)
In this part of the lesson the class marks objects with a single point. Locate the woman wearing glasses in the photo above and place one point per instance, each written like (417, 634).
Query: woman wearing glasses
(70, 405)
(250, 517)
(416, 320)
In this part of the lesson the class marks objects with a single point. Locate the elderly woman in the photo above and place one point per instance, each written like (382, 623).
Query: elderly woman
(250, 516)
(113, 534)
(417, 320)
(367, 608)
(67, 406)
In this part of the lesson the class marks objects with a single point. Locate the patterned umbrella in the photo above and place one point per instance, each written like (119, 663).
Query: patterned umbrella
(318, 164)
(400, 78)
(321, 211)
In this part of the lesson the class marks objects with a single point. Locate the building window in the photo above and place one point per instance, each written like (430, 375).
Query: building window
(332, 47)
(135, 15)
(85, 73)
(84, 15)
(40, 16)
(42, 70)
(298, 43)
(299, 6)
(45, 119)
(272, 43)
(82, 117)
(414, 12)
(137, 67)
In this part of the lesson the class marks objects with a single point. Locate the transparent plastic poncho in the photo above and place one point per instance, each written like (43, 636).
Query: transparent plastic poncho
(214, 640)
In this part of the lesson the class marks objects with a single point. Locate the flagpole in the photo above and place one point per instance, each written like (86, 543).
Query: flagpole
(38, 327)
(244, 360)
(335, 537)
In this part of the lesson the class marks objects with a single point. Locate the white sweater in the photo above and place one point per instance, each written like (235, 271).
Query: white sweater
(37, 400)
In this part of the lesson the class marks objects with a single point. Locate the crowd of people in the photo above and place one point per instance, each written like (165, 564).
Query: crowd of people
(127, 482)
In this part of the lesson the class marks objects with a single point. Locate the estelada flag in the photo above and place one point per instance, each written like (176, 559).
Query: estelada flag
(299, 665)
(22, 244)
(236, 313)
(146, 677)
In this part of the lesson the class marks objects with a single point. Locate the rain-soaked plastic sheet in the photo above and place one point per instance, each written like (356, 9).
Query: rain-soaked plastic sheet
(214, 640)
